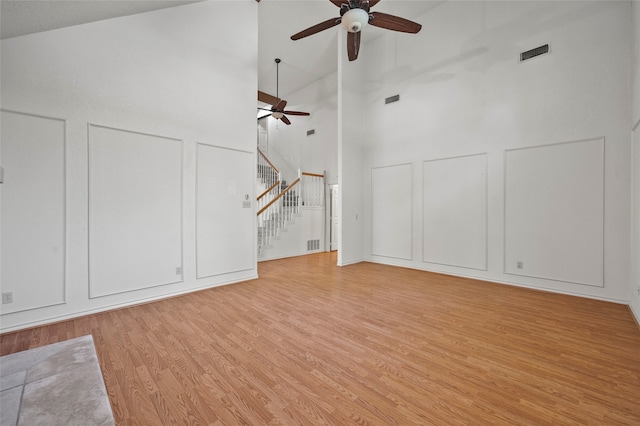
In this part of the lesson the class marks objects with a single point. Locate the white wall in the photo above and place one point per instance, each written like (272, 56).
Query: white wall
(33, 209)
(635, 71)
(155, 81)
(350, 156)
(391, 211)
(635, 164)
(464, 93)
(455, 205)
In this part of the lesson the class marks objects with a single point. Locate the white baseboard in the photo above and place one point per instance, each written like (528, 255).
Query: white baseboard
(634, 305)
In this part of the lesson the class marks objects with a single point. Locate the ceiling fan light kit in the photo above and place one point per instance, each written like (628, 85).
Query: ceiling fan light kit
(354, 20)
(354, 16)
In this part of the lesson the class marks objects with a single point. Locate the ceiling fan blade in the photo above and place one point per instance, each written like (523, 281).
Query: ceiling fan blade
(285, 120)
(296, 113)
(353, 45)
(264, 116)
(339, 3)
(373, 2)
(281, 105)
(394, 23)
(267, 98)
(317, 28)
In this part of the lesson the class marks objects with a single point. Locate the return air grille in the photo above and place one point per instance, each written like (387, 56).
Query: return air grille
(534, 52)
(313, 245)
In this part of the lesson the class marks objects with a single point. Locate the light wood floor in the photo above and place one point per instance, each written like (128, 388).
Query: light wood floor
(313, 344)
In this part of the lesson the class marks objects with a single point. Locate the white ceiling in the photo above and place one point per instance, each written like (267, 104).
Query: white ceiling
(303, 61)
(311, 58)
(21, 17)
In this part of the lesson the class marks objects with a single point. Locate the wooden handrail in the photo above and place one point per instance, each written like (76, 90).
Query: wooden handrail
(279, 196)
(267, 160)
(312, 174)
(267, 191)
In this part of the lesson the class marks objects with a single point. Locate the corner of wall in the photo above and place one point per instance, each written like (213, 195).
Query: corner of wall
(634, 304)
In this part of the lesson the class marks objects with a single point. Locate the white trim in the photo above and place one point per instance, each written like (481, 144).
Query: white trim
(372, 230)
(90, 291)
(486, 224)
(59, 318)
(196, 199)
(63, 300)
(635, 308)
(510, 283)
(504, 213)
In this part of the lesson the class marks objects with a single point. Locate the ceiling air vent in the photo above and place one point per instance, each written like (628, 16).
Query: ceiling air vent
(534, 52)
(311, 132)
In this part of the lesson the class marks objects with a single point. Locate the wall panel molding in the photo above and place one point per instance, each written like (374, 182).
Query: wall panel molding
(455, 211)
(554, 212)
(225, 180)
(135, 210)
(392, 211)
(33, 210)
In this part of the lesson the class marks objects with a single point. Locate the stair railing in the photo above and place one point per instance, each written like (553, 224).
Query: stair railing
(312, 191)
(267, 172)
(269, 194)
(278, 204)
(277, 212)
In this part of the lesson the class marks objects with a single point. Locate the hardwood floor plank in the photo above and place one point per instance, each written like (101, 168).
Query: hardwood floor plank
(309, 343)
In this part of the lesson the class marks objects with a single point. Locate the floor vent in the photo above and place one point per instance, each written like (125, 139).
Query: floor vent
(534, 52)
(313, 245)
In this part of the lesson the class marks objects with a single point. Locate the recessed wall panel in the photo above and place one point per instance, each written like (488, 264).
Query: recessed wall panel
(32, 244)
(554, 212)
(454, 230)
(391, 211)
(135, 210)
(225, 211)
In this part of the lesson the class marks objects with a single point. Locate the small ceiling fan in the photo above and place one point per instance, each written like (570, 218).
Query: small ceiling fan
(278, 105)
(354, 16)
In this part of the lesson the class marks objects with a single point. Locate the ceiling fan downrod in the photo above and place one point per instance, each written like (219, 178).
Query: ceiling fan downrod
(277, 114)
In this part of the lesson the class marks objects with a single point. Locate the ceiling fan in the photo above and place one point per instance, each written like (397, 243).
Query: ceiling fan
(354, 16)
(278, 105)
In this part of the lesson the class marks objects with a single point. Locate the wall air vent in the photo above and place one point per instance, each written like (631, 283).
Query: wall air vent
(313, 245)
(390, 99)
(541, 50)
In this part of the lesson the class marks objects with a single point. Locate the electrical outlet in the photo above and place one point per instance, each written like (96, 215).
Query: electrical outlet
(519, 264)
(178, 270)
(7, 297)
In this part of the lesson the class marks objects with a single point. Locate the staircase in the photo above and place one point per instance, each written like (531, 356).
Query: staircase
(279, 203)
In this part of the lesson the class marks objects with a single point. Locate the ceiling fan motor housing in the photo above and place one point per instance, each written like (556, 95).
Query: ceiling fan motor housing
(354, 20)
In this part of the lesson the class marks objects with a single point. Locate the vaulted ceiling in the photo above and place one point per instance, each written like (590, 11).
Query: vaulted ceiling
(303, 61)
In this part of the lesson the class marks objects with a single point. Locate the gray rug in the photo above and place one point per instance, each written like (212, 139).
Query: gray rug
(58, 384)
